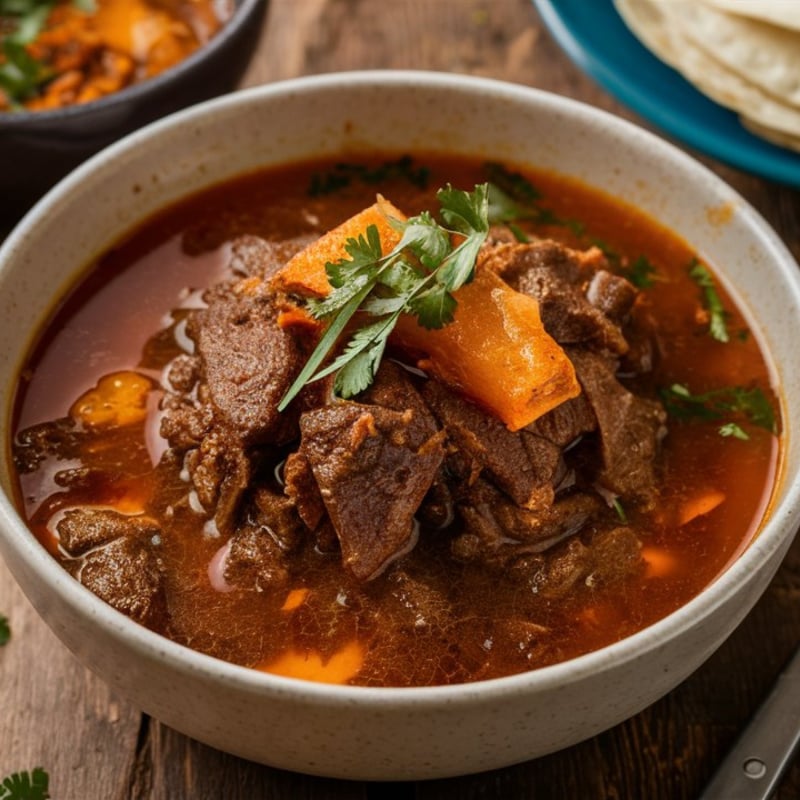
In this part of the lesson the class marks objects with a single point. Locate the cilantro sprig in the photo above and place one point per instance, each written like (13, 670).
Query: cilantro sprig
(5, 630)
(34, 785)
(720, 403)
(718, 316)
(417, 277)
(343, 174)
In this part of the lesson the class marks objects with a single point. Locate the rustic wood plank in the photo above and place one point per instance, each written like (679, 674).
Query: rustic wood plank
(56, 714)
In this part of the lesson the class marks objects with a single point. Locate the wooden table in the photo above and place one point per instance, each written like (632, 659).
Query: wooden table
(96, 746)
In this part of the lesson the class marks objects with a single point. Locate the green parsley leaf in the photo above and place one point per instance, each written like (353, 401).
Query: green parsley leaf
(752, 404)
(5, 630)
(718, 326)
(641, 273)
(25, 785)
(731, 429)
(343, 174)
(417, 277)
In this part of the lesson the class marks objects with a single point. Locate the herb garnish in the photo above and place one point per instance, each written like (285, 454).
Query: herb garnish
(718, 325)
(417, 277)
(512, 197)
(343, 174)
(33, 785)
(5, 630)
(22, 21)
(640, 273)
(717, 403)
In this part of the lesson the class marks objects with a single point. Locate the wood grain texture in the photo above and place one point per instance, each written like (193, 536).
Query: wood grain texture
(96, 746)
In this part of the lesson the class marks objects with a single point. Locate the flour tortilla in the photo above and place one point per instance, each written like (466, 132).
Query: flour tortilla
(665, 27)
(782, 13)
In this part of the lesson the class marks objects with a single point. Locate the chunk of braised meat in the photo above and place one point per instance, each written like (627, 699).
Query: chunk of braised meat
(254, 257)
(116, 557)
(499, 531)
(566, 423)
(277, 514)
(522, 464)
(373, 466)
(255, 560)
(82, 529)
(559, 278)
(220, 471)
(302, 488)
(630, 428)
(248, 362)
(599, 558)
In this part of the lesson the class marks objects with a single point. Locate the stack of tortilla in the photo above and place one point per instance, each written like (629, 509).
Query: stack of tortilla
(743, 54)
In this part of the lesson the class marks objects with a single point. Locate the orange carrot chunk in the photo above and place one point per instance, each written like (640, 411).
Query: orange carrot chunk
(305, 274)
(496, 351)
(341, 667)
(699, 505)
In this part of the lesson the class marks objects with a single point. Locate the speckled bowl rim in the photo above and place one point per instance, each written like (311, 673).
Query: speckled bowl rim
(241, 17)
(772, 536)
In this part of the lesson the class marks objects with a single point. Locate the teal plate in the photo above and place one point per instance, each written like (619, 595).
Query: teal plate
(594, 36)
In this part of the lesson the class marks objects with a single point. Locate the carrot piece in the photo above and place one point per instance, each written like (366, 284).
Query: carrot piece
(339, 668)
(305, 274)
(659, 563)
(496, 351)
(295, 599)
(699, 505)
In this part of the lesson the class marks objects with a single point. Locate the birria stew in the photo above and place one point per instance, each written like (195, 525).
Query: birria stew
(397, 421)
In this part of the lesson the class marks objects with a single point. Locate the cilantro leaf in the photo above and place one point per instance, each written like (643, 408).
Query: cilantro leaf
(343, 174)
(752, 404)
(418, 277)
(5, 630)
(718, 326)
(641, 272)
(26, 785)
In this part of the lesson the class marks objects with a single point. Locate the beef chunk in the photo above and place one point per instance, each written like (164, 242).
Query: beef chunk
(277, 514)
(183, 373)
(612, 294)
(566, 422)
(255, 560)
(126, 573)
(301, 487)
(558, 277)
(499, 530)
(521, 463)
(220, 471)
(630, 427)
(249, 363)
(254, 257)
(373, 466)
(83, 529)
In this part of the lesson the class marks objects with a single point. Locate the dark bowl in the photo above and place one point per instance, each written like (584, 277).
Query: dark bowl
(37, 148)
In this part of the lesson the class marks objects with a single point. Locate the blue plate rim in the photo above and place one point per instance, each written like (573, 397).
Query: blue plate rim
(746, 151)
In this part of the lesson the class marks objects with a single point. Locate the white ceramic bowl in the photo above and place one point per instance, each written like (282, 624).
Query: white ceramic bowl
(370, 733)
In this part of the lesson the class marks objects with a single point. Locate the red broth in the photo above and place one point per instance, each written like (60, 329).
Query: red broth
(471, 623)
